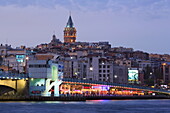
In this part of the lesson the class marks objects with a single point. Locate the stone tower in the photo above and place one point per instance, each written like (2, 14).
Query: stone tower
(70, 32)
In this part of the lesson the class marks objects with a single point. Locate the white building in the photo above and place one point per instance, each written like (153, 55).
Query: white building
(16, 59)
(45, 77)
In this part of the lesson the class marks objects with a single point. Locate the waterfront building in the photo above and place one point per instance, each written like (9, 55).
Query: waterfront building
(165, 66)
(120, 74)
(45, 77)
(16, 59)
(94, 67)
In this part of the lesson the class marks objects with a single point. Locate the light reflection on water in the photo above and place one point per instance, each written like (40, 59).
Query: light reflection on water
(91, 106)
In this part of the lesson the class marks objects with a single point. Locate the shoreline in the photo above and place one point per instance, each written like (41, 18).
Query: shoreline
(71, 98)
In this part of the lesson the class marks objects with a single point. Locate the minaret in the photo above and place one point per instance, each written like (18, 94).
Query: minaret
(70, 32)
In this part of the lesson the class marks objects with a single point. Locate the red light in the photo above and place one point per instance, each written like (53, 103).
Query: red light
(36, 92)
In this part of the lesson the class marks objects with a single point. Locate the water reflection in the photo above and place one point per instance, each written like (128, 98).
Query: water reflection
(91, 106)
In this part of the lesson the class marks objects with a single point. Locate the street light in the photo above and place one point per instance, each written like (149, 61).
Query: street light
(154, 78)
(91, 68)
(151, 73)
(115, 77)
(91, 72)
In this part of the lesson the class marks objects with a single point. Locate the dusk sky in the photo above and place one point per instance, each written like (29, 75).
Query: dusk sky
(140, 24)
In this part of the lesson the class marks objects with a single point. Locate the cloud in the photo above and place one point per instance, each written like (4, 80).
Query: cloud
(139, 7)
(121, 22)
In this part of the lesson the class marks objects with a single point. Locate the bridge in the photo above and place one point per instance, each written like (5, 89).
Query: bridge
(4, 75)
(18, 84)
(13, 83)
(116, 85)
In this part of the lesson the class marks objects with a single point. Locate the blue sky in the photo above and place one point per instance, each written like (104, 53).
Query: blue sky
(140, 24)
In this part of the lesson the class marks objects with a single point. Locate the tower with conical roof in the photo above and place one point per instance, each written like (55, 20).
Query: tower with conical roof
(70, 32)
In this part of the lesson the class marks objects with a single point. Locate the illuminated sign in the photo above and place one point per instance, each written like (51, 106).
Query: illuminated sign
(103, 88)
(87, 87)
(20, 58)
(133, 75)
(35, 92)
(37, 82)
(36, 86)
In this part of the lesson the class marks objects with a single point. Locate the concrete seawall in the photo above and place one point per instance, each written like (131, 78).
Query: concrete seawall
(127, 97)
(72, 98)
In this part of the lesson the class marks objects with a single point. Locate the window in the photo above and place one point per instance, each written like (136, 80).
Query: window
(100, 75)
(104, 75)
(90, 59)
(100, 71)
(100, 66)
(39, 66)
(104, 71)
(166, 70)
(108, 71)
(108, 66)
(104, 66)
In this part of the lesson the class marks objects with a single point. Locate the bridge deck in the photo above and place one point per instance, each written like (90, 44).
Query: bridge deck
(4, 75)
(116, 85)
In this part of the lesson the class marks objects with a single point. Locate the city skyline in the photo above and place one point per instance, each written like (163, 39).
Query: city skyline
(140, 25)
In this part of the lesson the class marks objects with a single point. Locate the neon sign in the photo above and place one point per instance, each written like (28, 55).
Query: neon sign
(20, 58)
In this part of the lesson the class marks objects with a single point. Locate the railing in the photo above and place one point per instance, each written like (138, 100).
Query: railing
(114, 84)
(9, 75)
